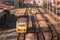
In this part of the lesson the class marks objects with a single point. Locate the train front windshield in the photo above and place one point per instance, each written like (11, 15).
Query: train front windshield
(21, 24)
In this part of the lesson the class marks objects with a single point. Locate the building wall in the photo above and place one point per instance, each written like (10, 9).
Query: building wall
(47, 1)
(28, 1)
(39, 2)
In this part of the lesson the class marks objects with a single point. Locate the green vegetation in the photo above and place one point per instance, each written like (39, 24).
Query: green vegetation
(16, 5)
(21, 5)
(1, 29)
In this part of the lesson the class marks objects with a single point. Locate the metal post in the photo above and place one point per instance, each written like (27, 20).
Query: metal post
(19, 3)
(56, 19)
(14, 3)
(47, 4)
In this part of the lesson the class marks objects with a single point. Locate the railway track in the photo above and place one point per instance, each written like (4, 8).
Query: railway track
(40, 26)
(53, 23)
(9, 34)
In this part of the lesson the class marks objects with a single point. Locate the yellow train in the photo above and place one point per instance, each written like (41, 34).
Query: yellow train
(33, 11)
(21, 25)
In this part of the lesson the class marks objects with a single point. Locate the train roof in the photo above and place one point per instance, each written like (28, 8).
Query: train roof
(5, 8)
(21, 20)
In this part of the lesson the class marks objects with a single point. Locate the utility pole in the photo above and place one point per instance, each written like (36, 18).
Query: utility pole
(19, 3)
(34, 2)
(14, 3)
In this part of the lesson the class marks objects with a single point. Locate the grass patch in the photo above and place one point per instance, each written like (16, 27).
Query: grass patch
(1, 29)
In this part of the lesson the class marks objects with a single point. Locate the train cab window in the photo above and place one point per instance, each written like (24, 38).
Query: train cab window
(21, 24)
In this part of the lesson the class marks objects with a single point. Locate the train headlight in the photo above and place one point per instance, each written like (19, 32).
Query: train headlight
(18, 29)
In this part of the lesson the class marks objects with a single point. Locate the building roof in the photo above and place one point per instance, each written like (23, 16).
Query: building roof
(2, 6)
